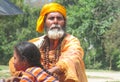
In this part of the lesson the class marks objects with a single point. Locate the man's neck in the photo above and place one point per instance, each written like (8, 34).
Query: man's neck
(53, 43)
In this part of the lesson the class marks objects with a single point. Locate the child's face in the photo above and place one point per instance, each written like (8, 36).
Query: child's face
(20, 65)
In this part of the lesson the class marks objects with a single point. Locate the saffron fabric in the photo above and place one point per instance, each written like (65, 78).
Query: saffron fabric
(36, 74)
(47, 8)
(12, 68)
(70, 62)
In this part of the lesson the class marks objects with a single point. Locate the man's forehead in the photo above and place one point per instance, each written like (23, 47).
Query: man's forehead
(54, 14)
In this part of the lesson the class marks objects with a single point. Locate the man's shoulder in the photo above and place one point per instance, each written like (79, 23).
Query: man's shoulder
(36, 39)
(69, 37)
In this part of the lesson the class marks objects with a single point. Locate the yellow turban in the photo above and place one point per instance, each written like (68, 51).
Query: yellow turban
(51, 7)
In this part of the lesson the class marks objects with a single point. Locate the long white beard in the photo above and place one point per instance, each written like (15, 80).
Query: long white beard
(55, 32)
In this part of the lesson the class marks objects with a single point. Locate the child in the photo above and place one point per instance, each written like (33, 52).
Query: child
(26, 58)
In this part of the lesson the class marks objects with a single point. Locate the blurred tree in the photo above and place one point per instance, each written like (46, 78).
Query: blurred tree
(17, 28)
(112, 46)
(89, 20)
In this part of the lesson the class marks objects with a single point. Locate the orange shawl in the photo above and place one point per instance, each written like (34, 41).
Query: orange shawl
(70, 62)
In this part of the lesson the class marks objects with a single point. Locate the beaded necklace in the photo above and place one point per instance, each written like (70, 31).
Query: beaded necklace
(46, 48)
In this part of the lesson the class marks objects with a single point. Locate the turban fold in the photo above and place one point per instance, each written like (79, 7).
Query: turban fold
(50, 7)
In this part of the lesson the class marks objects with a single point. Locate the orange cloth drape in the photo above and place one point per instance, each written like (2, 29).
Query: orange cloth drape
(42, 76)
(70, 61)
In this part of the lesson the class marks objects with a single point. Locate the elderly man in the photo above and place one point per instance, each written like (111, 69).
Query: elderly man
(61, 52)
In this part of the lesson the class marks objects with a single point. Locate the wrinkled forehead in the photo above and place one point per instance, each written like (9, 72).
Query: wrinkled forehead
(55, 14)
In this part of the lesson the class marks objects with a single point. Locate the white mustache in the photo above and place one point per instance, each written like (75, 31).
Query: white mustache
(55, 26)
(55, 31)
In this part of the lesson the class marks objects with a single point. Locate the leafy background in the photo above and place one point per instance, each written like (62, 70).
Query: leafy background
(95, 22)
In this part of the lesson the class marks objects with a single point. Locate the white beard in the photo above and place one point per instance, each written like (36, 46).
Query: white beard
(55, 32)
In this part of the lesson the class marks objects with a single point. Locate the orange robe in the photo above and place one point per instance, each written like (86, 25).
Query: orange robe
(36, 74)
(70, 62)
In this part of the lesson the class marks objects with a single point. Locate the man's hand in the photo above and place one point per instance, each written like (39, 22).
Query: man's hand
(55, 69)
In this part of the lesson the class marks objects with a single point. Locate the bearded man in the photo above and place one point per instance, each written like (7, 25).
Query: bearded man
(61, 52)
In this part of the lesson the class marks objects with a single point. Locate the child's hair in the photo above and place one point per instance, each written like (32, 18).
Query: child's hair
(29, 52)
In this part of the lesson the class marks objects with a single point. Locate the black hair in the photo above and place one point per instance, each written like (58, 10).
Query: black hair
(29, 52)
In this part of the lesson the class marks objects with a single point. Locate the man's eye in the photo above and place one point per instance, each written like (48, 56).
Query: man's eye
(59, 18)
(51, 18)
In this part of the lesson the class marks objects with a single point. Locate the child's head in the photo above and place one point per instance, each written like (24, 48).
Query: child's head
(26, 55)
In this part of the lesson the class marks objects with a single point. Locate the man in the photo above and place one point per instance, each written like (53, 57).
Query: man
(61, 52)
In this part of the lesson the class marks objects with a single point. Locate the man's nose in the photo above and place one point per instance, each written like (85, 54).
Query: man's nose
(55, 21)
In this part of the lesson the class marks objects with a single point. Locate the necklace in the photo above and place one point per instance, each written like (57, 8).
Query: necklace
(50, 61)
(47, 61)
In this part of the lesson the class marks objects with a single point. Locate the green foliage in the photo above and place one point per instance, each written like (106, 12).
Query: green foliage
(112, 45)
(16, 28)
(4, 72)
(89, 20)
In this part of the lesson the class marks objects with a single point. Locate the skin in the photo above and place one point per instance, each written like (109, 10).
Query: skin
(18, 63)
(54, 18)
